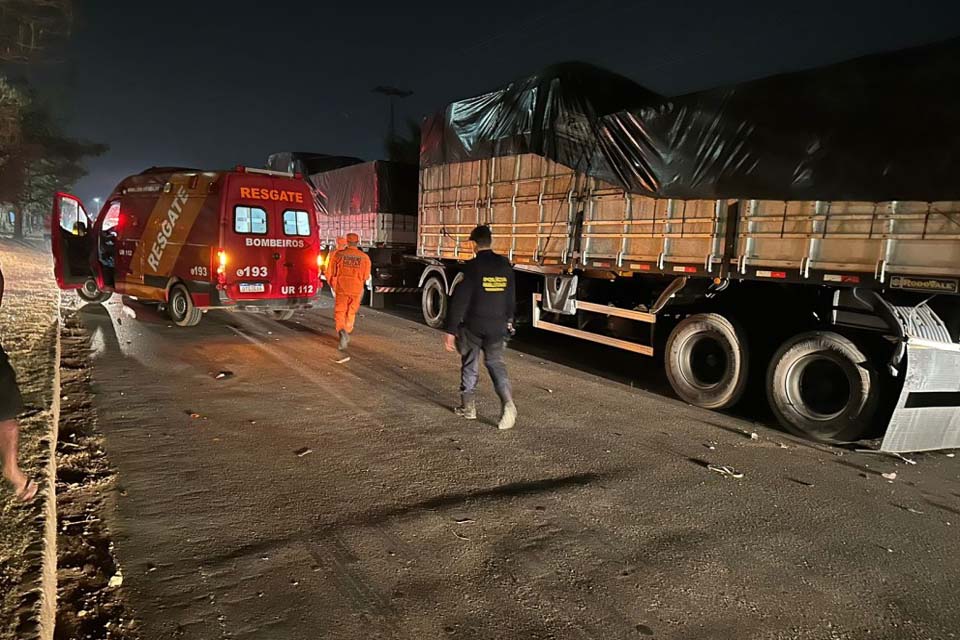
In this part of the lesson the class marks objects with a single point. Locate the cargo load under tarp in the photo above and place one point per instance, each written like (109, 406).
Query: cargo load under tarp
(305, 162)
(376, 200)
(878, 128)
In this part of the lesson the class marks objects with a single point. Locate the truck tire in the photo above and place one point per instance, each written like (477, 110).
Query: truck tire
(434, 303)
(821, 386)
(91, 293)
(282, 314)
(706, 361)
(181, 309)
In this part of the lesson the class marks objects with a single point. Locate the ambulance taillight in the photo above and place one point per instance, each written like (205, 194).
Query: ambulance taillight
(221, 267)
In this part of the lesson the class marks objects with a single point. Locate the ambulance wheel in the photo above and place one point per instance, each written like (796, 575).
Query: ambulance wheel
(821, 386)
(706, 361)
(91, 293)
(181, 309)
(282, 314)
(434, 303)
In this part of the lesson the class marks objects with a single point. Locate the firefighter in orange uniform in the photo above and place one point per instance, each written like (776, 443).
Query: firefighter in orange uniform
(349, 272)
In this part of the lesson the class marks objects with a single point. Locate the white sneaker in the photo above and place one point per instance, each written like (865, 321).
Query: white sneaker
(509, 417)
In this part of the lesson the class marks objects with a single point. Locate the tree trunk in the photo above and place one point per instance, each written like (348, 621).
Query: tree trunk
(18, 223)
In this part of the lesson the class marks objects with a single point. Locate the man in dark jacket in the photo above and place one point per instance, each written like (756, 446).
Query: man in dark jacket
(479, 320)
(10, 406)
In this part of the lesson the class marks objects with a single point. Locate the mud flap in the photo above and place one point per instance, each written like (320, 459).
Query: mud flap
(927, 415)
(560, 294)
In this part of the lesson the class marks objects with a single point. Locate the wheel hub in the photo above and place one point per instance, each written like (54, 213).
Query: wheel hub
(704, 361)
(818, 387)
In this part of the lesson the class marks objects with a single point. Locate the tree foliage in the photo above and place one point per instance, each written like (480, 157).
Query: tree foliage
(39, 160)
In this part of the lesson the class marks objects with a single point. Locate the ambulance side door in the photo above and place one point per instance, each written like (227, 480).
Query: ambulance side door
(70, 241)
(129, 228)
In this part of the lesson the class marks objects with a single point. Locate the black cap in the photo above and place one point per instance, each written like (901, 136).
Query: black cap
(481, 235)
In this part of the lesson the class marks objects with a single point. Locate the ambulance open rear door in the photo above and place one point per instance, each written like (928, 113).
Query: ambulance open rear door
(71, 230)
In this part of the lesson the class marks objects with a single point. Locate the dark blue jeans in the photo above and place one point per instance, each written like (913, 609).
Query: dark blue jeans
(470, 348)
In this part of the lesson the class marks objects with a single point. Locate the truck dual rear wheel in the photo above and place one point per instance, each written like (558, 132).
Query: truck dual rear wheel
(91, 293)
(434, 303)
(821, 386)
(706, 361)
(181, 308)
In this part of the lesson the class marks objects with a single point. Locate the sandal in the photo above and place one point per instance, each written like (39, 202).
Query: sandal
(29, 491)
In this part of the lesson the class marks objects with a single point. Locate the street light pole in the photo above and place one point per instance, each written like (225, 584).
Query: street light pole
(393, 93)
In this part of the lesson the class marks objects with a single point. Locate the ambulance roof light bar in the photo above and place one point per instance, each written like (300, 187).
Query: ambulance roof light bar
(267, 172)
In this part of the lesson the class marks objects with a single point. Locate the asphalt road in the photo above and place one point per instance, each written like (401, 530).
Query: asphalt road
(597, 517)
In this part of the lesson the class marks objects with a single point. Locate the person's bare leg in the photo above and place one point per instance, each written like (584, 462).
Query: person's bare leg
(9, 436)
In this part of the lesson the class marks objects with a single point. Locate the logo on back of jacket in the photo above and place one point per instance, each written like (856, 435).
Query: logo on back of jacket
(494, 284)
(166, 228)
(353, 262)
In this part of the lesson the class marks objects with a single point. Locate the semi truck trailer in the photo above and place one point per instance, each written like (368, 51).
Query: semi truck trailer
(799, 234)
(376, 200)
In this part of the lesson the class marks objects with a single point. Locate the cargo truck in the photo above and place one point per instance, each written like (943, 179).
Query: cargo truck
(377, 201)
(799, 233)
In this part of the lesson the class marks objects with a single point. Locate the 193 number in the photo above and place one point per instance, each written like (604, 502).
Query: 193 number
(199, 271)
(252, 272)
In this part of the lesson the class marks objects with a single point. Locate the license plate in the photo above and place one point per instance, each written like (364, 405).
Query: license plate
(252, 287)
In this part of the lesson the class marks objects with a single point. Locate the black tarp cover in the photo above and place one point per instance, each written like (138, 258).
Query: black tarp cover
(371, 187)
(306, 162)
(881, 127)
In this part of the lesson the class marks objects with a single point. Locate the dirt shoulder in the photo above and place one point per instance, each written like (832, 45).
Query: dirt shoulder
(28, 330)
(89, 581)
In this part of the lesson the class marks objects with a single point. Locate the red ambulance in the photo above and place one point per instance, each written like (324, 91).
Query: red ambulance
(194, 240)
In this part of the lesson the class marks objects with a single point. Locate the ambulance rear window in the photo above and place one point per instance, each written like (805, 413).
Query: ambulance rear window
(296, 223)
(249, 220)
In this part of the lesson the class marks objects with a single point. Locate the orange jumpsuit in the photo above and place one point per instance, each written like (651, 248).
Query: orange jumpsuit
(349, 272)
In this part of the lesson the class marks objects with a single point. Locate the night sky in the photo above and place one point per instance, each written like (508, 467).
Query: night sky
(212, 84)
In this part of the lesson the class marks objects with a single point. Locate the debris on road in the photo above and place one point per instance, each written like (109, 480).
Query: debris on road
(907, 460)
(459, 536)
(726, 471)
(224, 374)
(911, 510)
(342, 359)
(116, 580)
(890, 476)
(303, 451)
(754, 435)
(951, 455)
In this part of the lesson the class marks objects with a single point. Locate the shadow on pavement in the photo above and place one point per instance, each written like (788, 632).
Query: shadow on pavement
(509, 490)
